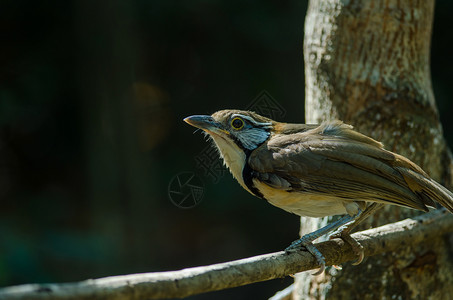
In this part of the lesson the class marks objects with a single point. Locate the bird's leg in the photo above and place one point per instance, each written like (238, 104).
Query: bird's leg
(306, 240)
(344, 232)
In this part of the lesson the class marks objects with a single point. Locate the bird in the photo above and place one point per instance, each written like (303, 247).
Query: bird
(318, 170)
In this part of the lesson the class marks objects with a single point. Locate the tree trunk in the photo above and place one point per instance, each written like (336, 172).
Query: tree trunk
(367, 63)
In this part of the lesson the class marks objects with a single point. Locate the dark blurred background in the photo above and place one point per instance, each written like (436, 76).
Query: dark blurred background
(92, 97)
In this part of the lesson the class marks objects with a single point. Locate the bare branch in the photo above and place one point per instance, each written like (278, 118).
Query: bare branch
(197, 280)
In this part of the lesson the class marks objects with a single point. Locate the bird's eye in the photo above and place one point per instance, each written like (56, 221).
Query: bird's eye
(237, 123)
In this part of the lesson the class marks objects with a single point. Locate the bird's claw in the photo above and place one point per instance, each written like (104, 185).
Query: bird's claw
(357, 248)
(344, 223)
(319, 258)
(299, 244)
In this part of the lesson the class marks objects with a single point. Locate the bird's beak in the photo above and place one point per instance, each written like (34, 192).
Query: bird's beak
(206, 123)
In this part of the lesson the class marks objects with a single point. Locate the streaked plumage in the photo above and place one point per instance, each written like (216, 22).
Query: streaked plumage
(317, 170)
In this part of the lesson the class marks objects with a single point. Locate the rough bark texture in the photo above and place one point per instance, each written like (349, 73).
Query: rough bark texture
(367, 63)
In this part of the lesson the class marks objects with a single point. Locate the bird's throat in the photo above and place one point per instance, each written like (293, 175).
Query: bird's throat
(233, 157)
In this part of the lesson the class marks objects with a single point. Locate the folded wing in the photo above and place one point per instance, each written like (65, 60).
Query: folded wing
(333, 159)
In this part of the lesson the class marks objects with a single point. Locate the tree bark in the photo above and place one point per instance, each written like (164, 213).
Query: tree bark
(367, 63)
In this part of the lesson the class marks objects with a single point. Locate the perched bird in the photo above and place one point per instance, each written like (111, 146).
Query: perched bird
(318, 170)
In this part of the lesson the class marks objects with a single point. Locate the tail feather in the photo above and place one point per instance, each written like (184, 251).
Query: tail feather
(446, 199)
(428, 189)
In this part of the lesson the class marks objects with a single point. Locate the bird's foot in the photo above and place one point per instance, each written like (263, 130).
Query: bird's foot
(357, 248)
(306, 240)
(304, 243)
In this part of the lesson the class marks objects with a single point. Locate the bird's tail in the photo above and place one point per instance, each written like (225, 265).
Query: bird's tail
(429, 189)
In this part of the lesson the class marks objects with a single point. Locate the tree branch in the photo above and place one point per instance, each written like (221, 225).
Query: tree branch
(197, 280)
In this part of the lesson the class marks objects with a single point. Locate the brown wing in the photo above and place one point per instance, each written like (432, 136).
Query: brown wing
(333, 159)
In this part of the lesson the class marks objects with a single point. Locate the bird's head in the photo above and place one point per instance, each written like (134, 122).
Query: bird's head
(246, 129)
